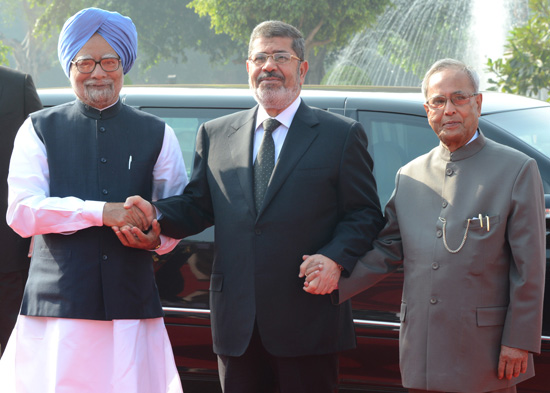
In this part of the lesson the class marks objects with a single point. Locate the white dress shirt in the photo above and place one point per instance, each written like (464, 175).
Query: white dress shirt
(31, 210)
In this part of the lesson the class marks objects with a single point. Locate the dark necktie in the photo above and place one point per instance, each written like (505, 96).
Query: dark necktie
(265, 162)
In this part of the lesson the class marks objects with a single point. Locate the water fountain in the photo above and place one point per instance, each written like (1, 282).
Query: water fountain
(411, 35)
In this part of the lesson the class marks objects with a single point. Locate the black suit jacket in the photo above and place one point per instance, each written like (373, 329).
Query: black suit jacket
(18, 98)
(322, 199)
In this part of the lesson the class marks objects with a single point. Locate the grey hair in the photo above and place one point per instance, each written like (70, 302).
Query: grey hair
(275, 28)
(445, 64)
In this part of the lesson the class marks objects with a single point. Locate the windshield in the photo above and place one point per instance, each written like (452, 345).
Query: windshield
(530, 125)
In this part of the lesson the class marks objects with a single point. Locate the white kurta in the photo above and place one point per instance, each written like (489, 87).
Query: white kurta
(67, 355)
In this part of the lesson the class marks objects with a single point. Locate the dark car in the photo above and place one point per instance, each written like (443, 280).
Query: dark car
(398, 131)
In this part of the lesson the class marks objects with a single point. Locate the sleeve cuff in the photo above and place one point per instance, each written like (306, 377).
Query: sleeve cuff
(93, 212)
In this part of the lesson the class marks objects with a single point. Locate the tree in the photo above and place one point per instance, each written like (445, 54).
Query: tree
(326, 24)
(4, 51)
(525, 67)
(32, 54)
(165, 30)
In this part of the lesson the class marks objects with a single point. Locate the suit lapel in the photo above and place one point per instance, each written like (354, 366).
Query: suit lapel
(300, 136)
(240, 143)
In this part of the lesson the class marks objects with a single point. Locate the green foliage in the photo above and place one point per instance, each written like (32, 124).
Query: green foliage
(327, 23)
(4, 51)
(525, 67)
(165, 29)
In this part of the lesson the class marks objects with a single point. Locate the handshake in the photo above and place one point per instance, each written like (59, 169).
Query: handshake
(134, 222)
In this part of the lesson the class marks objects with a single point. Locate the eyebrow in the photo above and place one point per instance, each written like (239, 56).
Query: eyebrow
(443, 95)
(90, 57)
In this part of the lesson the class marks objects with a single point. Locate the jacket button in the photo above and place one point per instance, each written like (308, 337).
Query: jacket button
(103, 160)
(449, 171)
(104, 257)
(102, 129)
(433, 300)
(105, 192)
(258, 231)
(444, 204)
(439, 233)
(435, 265)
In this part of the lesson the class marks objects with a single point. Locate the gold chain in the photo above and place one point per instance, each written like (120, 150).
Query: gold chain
(444, 221)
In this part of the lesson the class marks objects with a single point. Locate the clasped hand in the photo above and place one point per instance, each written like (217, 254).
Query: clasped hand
(321, 274)
(133, 222)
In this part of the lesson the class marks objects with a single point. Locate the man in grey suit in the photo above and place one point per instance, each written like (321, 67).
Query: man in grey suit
(18, 98)
(320, 204)
(466, 221)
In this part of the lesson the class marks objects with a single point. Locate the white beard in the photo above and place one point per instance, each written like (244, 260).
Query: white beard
(275, 97)
(99, 96)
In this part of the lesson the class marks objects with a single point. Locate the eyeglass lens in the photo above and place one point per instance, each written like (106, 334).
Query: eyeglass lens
(279, 58)
(88, 66)
(457, 99)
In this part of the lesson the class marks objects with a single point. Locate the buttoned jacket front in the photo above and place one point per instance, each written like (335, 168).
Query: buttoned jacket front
(462, 300)
(321, 199)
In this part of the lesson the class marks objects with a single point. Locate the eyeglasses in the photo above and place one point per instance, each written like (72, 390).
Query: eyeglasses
(280, 58)
(87, 66)
(458, 99)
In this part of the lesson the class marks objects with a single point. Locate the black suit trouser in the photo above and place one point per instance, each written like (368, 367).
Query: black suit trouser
(257, 371)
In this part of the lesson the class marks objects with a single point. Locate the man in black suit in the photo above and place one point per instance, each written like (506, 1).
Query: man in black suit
(320, 203)
(18, 98)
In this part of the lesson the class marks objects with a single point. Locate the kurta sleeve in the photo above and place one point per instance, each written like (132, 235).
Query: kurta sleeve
(31, 210)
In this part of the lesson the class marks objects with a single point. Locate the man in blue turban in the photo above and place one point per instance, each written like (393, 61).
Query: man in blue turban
(119, 31)
(91, 317)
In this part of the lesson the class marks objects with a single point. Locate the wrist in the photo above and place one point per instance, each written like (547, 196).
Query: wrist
(158, 245)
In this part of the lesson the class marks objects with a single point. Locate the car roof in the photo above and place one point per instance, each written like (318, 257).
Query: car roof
(385, 99)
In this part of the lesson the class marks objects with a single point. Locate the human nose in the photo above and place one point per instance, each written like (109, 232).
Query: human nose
(270, 63)
(98, 71)
(449, 106)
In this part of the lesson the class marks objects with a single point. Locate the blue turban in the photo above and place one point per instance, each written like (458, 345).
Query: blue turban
(119, 32)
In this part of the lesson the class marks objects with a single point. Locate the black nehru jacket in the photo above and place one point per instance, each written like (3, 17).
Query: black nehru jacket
(102, 156)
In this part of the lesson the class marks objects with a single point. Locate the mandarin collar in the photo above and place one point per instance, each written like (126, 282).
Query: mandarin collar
(465, 151)
(97, 114)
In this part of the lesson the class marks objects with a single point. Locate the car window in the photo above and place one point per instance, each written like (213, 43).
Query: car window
(183, 275)
(186, 122)
(394, 140)
(529, 125)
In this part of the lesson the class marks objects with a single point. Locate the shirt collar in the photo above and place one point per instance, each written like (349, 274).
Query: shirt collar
(470, 149)
(285, 117)
(476, 134)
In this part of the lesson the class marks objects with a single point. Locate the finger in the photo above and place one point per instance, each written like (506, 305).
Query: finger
(322, 284)
(314, 266)
(509, 370)
(122, 237)
(312, 287)
(523, 367)
(131, 201)
(502, 362)
(146, 241)
(139, 235)
(155, 227)
(312, 276)
(303, 267)
(145, 207)
(135, 217)
(517, 368)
